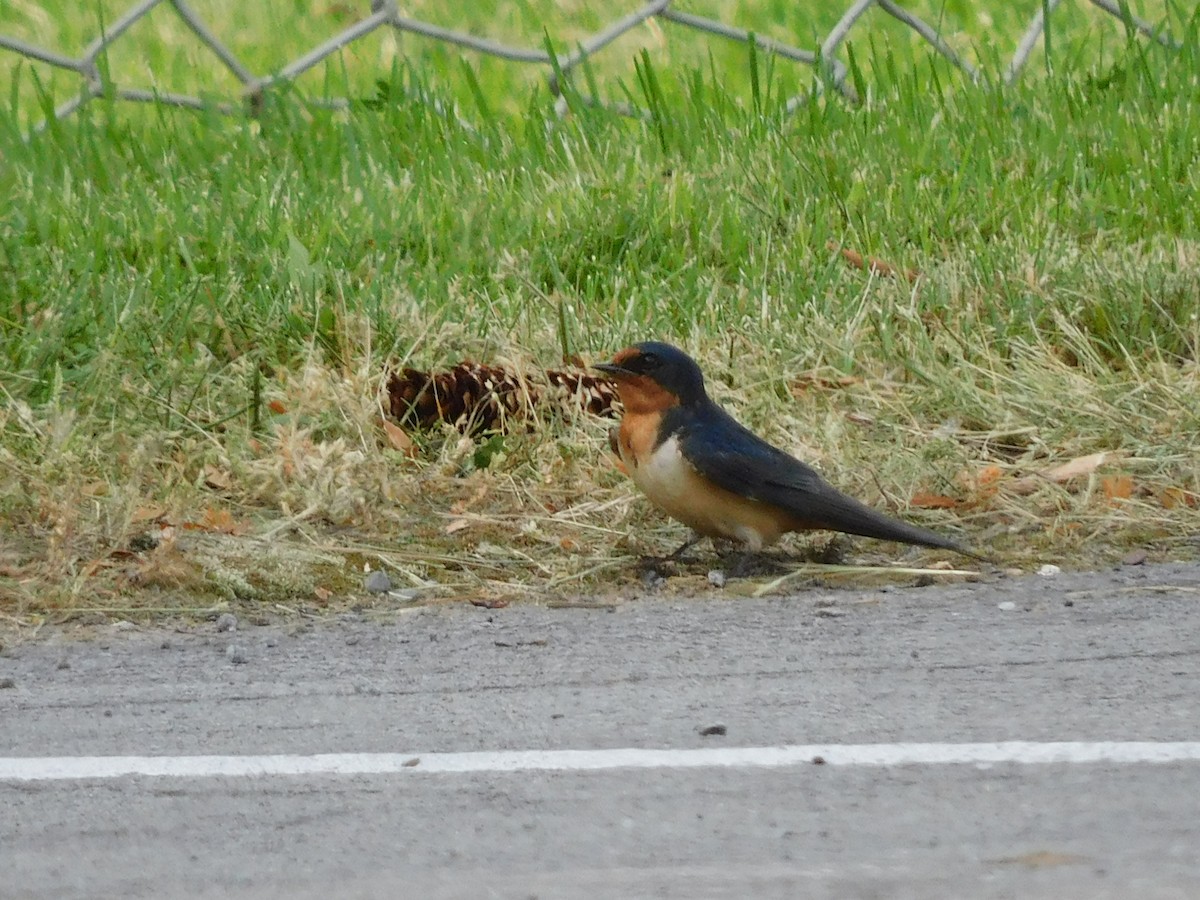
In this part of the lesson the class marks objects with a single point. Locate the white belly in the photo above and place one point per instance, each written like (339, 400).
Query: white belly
(665, 477)
(673, 485)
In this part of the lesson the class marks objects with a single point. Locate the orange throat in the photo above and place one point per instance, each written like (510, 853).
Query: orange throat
(641, 395)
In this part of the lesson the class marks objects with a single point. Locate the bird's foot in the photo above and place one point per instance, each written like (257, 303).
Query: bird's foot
(678, 553)
(653, 570)
(747, 563)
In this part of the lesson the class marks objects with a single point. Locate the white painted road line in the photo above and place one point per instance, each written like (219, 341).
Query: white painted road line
(75, 768)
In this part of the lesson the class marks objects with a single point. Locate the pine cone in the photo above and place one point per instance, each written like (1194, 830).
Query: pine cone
(579, 390)
(475, 397)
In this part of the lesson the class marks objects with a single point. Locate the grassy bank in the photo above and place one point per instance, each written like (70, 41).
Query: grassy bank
(198, 311)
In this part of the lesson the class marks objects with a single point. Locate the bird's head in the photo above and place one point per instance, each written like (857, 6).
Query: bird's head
(653, 376)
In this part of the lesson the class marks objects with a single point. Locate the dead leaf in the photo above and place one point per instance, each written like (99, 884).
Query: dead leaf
(927, 500)
(989, 475)
(569, 544)
(222, 520)
(277, 407)
(458, 525)
(218, 521)
(150, 513)
(91, 568)
(1117, 487)
(95, 489)
(1075, 468)
(322, 594)
(1081, 465)
(399, 439)
(1173, 497)
(876, 266)
(217, 479)
(493, 603)
(980, 485)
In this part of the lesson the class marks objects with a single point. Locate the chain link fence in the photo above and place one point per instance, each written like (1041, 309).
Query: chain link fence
(385, 14)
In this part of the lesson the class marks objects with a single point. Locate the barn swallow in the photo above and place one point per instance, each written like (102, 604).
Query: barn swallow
(704, 468)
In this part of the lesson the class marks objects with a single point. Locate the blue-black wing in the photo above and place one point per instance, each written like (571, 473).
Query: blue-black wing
(731, 456)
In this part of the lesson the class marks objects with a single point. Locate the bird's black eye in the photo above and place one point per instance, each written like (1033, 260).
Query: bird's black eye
(649, 361)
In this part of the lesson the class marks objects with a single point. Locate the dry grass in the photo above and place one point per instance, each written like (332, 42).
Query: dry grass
(286, 522)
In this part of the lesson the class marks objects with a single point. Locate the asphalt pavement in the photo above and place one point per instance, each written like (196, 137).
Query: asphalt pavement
(1096, 658)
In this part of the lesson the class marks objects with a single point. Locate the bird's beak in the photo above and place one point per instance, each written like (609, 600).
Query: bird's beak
(613, 370)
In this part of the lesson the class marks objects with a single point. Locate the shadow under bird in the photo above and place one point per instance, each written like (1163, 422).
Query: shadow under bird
(702, 467)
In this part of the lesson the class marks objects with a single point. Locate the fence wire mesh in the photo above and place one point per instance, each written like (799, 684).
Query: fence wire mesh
(386, 14)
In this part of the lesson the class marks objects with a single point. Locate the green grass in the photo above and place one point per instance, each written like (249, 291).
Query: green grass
(160, 52)
(196, 311)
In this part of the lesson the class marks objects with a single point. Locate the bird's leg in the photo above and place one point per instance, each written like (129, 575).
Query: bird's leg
(656, 568)
(687, 545)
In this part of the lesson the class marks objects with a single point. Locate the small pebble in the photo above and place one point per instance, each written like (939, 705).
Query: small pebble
(236, 655)
(652, 580)
(716, 578)
(6, 683)
(63, 664)
(1049, 570)
(227, 622)
(352, 640)
(1007, 606)
(711, 730)
(377, 582)
(1134, 558)
(123, 625)
(829, 612)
